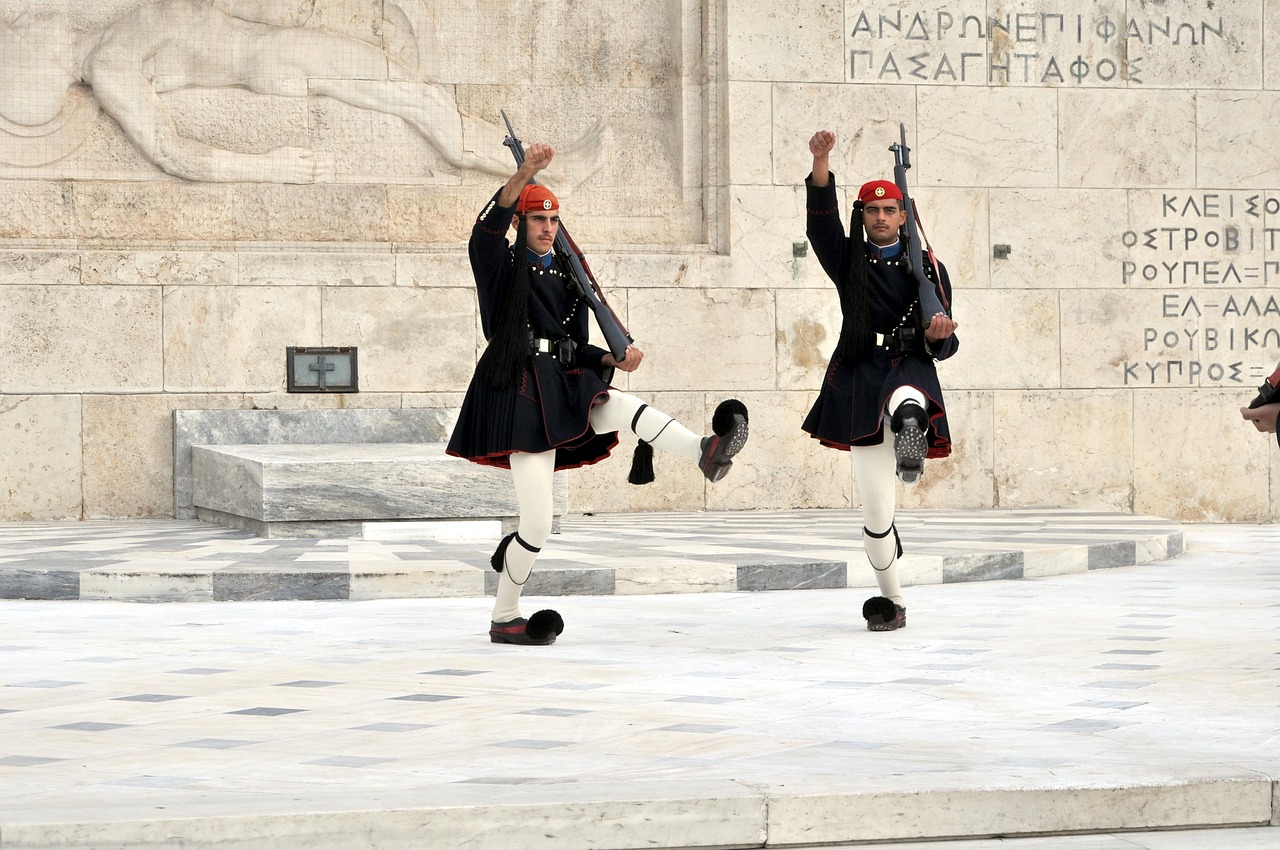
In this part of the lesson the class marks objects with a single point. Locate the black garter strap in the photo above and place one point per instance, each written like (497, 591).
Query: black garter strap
(635, 420)
(499, 558)
(882, 535)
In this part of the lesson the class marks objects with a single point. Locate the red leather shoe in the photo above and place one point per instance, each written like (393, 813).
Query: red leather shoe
(541, 629)
(729, 435)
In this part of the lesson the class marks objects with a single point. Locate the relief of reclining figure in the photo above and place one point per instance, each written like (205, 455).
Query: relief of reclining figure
(259, 45)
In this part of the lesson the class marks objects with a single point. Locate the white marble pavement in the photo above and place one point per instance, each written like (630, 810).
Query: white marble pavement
(595, 555)
(1111, 702)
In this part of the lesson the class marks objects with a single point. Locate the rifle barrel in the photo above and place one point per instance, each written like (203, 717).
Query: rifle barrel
(614, 334)
(930, 304)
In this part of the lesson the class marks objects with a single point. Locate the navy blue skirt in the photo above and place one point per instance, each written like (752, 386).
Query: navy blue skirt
(849, 410)
(548, 408)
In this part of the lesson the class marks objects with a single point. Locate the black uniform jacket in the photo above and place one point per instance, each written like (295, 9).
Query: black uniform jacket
(549, 406)
(850, 408)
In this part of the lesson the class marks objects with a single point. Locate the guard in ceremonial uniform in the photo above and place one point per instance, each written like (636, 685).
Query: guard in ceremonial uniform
(540, 401)
(882, 372)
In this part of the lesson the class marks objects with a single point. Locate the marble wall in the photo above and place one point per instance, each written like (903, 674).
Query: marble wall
(166, 231)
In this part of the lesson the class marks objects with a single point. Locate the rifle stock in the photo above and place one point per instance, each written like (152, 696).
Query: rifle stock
(615, 335)
(930, 305)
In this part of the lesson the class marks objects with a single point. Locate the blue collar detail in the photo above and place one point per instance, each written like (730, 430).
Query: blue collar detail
(542, 261)
(886, 252)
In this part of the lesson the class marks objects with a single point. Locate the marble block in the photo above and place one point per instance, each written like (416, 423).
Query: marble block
(259, 427)
(308, 489)
(41, 457)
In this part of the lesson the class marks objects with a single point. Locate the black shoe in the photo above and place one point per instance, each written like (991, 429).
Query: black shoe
(729, 435)
(910, 445)
(884, 615)
(541, 629)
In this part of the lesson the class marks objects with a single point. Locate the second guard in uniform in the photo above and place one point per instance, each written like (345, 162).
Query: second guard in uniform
(881, 379)
(539, 400)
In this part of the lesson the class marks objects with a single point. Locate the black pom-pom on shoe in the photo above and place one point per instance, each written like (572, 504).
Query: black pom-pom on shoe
(541, 629)
(545, 625)
(883, 615)
(723, 419)
(729, 435)
(910, 445)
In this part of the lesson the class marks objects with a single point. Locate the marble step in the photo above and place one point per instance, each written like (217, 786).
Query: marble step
(332, 489)
(684, 815)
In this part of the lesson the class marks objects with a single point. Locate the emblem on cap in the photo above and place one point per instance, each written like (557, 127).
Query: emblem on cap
(546, 205)
(879, 191)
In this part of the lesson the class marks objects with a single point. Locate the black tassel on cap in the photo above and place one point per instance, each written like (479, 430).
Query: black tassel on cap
(508, 349)
(856, 333)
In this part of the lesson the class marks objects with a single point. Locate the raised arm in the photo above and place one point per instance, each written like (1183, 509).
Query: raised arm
(537, 157)
(822, 210)
(820, 146)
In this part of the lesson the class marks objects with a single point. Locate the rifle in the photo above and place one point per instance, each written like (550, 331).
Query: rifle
(1268, 392)
(610, 325)
(929, 303)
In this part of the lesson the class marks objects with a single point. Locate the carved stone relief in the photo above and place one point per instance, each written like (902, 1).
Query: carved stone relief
(351, 91)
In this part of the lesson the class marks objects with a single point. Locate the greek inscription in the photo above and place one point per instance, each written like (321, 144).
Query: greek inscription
(1228, 223)
(1033, 27)
(1174, 305)
(1211, 205)
(1213, 339)
(1022, 47)
(1197, 273)
(1198, 338)
(1186, 372)
(868, 66)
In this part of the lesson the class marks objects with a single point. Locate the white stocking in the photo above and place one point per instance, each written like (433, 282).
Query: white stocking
(875, 470)
(902, 394)
(534, 476)
(653, 426)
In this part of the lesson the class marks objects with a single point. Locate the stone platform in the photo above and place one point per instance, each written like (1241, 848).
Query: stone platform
(614, 554)
(332, 490)
(1133, 706)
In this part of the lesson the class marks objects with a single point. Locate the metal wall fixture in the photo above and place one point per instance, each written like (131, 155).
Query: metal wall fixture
(322, 369)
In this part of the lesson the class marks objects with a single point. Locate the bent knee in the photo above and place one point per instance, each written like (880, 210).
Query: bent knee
(535, 529)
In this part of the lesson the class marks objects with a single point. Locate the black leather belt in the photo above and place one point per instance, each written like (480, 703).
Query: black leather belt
(904, 339)
(565, 350)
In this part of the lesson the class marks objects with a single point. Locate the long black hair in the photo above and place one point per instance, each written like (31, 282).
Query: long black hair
(505, 355)
(856, 332)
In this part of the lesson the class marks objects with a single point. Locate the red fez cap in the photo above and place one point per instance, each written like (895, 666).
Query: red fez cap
(879, 190)
(535, 196)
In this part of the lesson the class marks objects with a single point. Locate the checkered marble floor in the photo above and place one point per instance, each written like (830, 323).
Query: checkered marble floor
(594, 555)
(1138, 698)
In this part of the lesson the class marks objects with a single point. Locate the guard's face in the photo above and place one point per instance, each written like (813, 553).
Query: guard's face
(543, 227)
(882, 219)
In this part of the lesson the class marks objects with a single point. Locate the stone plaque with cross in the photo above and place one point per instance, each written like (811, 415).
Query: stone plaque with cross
(322, 369)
